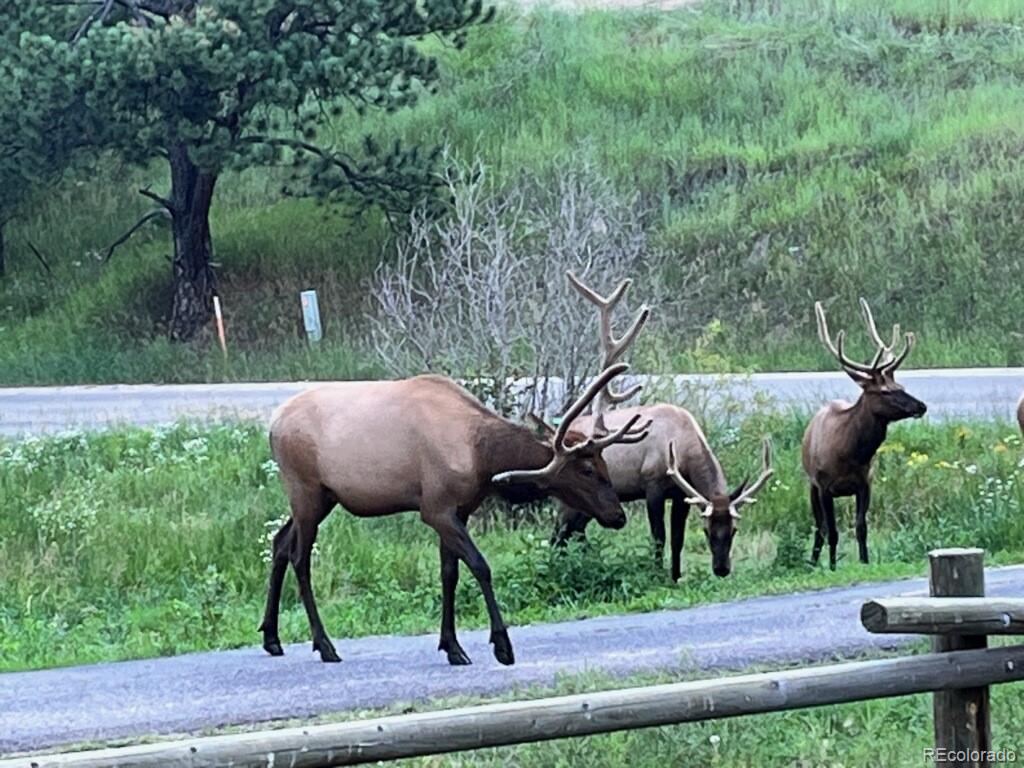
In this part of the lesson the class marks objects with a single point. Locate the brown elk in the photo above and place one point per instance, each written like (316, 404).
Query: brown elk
(1020, 413)
(674, 464)
(646, 470)
(842, 439)
(424, 444)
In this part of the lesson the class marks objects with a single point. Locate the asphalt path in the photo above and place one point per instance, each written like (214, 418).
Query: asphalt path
(195, 692)
(957, 393)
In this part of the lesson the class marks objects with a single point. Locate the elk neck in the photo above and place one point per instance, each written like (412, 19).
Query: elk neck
(704, 471)
(865, 431)
(505, 446)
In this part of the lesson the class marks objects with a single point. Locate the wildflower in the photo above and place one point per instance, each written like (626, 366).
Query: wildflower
(917, 459)
(971, 469)
(1000, 448)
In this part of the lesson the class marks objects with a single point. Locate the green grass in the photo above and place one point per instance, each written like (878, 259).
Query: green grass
(876, 144)
(144, 543)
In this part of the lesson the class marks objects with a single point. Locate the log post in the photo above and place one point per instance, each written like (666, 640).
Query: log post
(961, 716)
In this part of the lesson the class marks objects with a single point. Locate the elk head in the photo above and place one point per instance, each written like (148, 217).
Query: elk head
(721, 512)
(576, 473)
(883, 397)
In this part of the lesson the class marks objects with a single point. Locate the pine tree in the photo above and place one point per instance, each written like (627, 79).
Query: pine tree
(207, 85)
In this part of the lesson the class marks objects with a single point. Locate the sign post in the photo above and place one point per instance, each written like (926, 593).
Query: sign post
(311, 316)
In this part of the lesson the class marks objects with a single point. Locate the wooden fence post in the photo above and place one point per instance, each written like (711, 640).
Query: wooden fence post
(961, 716)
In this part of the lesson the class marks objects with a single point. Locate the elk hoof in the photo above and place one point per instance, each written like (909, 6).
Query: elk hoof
(456, 656)
(832, 565)
(327, 652)
(503, 648)
(273, 646)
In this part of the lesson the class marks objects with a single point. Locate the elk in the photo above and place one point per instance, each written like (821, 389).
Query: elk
(674, 464)
(841, 440)
(424, 444)
(647, 470)
(1020, 413)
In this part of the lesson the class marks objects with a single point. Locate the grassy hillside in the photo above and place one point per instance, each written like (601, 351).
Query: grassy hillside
(145, 543)
(821, 150)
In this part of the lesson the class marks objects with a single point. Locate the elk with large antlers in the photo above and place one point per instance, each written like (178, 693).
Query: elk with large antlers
(424, 444)
(842, 439)
(648, 470)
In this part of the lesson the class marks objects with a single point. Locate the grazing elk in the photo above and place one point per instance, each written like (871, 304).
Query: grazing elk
(842, 439)
(1020, 413)
(646, 471)
(424, 444)
(675, 464)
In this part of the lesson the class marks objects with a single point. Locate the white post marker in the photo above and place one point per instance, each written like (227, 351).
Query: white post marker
(220, 325)
(311, 316)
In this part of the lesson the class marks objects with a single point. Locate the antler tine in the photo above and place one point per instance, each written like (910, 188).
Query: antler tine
(883, 355)
(584, 400)
(604, 302)
(747, 496)
(620, 397)
(624, 434)
(896, 362)
(693, 495)
(850, 366)
(837, 348)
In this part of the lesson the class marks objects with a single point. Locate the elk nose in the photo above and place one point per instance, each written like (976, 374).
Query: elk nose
(721, 571)
(922, 410)
(618, 522)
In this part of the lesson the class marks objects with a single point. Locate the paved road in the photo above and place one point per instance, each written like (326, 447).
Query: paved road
(979, 393)
(207, 690)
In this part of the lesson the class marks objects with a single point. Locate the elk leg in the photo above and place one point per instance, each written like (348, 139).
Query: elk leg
(829, 508)
(680, 511)
(306, 525)
(572, 524)
(449, 581)
(455, 537)
(819, 525)
(283, 541)
(656, 518)
(863, 502)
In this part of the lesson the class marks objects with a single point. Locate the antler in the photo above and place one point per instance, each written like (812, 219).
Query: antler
(883, 363)
(627, 433)
(611, 348)
(693, 496)
(747, 497)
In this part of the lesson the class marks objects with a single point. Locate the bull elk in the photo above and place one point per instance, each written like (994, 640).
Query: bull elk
(654, 470)
(842, 439)
(424, 444)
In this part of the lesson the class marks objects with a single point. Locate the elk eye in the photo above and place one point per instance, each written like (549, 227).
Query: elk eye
(588, 471)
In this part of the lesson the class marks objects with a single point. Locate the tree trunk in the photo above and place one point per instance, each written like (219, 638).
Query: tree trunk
(194, 282)
(3, 260)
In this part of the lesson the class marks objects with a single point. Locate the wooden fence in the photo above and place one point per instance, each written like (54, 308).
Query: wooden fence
(959, 671)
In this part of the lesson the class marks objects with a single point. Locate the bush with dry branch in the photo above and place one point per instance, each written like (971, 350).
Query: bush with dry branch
(482, 294)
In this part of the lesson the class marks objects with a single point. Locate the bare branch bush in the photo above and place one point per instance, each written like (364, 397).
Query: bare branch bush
(482, 295)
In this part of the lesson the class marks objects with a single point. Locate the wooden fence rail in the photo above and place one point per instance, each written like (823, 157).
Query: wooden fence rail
(959, 678)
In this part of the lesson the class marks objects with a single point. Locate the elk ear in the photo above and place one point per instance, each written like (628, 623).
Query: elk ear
(739, 489)
(543, 426)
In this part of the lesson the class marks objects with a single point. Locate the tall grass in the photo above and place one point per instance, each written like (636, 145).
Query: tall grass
(815, 149)
(142, 543)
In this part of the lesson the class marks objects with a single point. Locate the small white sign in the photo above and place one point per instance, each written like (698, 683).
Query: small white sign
(311, 316)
